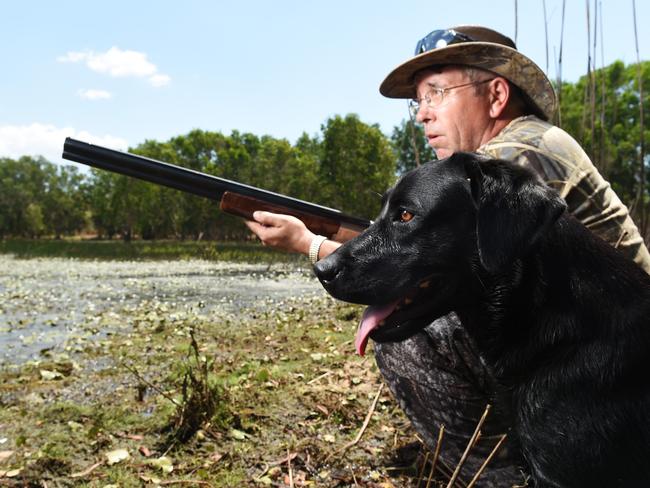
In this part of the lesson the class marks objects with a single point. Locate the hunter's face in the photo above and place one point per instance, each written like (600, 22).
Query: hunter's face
(461, 121)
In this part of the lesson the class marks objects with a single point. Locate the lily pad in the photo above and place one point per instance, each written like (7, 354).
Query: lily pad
(117, 456)
(239, 435)
(163, 463)
(48, 375)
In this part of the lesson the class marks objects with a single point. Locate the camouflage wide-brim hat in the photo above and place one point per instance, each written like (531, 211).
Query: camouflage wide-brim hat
(478, 47)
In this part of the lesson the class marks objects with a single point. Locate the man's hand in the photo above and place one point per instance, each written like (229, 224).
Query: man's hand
(282, 231)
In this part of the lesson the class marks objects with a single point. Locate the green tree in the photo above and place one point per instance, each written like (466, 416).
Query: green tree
(38, 197)
(64, 203)
(613, 142)
(410, 146)
(302, 175)
(34, 224)
(161, 210)
(185, 215)
(100, 196)
(22, 182)
(357, 165)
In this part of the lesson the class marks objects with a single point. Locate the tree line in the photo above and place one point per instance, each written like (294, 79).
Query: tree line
(348, 165)
(603, 111)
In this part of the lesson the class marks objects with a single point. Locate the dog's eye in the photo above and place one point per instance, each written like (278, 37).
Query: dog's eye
(406, 216)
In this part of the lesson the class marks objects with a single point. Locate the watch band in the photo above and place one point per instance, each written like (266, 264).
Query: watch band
(314, 247)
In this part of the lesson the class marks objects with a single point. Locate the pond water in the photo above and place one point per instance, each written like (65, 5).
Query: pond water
(45, 304)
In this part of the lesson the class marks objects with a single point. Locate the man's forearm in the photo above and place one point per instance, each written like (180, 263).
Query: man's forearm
(327, 248)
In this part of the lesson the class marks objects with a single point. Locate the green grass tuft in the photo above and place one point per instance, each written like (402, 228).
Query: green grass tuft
(251, 252)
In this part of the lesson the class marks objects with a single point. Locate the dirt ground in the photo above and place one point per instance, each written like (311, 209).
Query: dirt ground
(189, 373)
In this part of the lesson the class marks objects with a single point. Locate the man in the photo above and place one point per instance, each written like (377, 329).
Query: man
(473, 91)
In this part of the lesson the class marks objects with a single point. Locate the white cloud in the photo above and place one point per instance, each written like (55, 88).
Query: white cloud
(159, 80)
(71, 57)
(118, 63)
(47, 140)
(92, 94)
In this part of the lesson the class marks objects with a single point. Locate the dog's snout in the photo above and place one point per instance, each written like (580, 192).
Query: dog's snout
(327, 269)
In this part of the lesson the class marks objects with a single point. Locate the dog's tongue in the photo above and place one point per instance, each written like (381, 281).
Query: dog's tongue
(370, 320)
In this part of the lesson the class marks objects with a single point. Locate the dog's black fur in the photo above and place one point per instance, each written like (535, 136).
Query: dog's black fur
(562, 318)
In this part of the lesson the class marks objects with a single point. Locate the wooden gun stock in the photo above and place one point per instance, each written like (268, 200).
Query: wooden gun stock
(243, 206)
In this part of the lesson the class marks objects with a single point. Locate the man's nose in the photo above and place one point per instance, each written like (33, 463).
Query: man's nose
(425, 113)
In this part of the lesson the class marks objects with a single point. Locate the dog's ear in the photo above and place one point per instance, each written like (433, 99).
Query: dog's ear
(514, 209)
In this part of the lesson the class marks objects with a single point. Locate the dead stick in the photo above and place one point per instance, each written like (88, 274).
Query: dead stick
(87, 471)
(185, 482)
(485, 463)
(470, 444)
(354, 478)
(290, 470)
(478, 438)
(424, 465)
(151, 385)
(363, 427)
(441, 434)
(290, 457)
(327, 373)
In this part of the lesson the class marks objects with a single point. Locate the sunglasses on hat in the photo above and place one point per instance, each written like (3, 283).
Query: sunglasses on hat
(439, 39)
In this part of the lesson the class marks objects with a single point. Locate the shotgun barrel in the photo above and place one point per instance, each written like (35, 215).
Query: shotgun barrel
(233, 197)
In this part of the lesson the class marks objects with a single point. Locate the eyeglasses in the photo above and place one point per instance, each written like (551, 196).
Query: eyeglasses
(440, 38)
(435, 96)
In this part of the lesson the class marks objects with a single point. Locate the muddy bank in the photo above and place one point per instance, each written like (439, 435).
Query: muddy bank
(101, 363)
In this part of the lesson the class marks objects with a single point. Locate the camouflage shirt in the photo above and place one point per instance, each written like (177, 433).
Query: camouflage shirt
(562, 163)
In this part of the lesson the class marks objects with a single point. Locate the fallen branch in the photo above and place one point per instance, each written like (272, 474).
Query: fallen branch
(324, 375)
(86, 472)
(363, 427)
(151, 385)
(354, 478)
(185, 482)
(268, 465)
(424, 465)
(290, 457)
(441, 434)
(290, 470)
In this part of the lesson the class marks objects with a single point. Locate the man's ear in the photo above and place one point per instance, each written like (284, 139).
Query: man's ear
(514, 209)
(500, 95)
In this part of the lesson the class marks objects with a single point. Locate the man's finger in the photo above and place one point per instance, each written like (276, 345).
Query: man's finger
(256, 227)
(251, 224)
(269, 219)
(264, 218)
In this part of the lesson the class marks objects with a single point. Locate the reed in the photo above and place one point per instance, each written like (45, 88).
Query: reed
(642, 177)
(558, 81)
(452, 476)
(545, 32)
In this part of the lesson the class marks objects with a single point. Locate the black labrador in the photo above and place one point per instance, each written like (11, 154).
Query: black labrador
(562, 318)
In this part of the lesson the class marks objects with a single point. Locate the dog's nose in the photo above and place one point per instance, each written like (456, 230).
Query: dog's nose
(327, 269)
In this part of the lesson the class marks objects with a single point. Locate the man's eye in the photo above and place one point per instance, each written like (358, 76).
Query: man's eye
(406, 216)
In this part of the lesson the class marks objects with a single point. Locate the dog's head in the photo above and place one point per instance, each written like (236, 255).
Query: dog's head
(439, 226)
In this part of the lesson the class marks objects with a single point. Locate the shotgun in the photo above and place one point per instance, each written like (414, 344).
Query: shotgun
(233, 197)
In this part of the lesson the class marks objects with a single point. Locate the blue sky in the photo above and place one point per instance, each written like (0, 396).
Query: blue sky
(120, 72)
